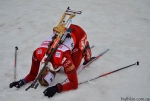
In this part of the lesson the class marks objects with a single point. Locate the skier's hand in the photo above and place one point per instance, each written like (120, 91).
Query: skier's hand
(17, 84)
(51, 91)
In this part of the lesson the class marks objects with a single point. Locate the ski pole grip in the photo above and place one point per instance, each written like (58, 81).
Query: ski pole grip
(16, 48)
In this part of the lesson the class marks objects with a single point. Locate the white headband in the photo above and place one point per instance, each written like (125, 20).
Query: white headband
(49, 78)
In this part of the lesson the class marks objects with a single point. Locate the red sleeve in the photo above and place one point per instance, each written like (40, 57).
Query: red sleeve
(34, 69)
(70, 70)
(73, 81)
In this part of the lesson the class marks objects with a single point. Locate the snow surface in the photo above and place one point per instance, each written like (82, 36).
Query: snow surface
(123, 26)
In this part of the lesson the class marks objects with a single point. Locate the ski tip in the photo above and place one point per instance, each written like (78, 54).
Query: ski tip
(137, 63)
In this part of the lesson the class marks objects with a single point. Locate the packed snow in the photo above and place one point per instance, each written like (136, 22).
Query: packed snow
(123, 26)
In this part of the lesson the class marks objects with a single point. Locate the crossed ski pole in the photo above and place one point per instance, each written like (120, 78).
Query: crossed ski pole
(137, 63)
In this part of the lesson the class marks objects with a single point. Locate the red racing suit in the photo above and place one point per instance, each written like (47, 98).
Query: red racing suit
(69, 57)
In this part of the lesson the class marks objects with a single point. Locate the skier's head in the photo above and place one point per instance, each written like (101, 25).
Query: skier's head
(48, 74)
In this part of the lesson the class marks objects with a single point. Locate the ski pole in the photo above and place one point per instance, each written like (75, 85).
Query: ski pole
(137, 63)
(15, 62)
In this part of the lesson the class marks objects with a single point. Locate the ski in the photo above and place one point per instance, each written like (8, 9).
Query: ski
(84, 66)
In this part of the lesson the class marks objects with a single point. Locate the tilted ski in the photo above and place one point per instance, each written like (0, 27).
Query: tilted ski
(84, 66)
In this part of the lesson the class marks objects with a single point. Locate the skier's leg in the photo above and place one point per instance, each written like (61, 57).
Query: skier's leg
(77, 56)
(87, 53)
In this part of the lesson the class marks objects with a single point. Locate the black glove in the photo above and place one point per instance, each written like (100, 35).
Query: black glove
(51, 91)
(17, 84)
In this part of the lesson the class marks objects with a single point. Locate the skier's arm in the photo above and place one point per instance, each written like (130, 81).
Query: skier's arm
(71, 73)
(36, 58)
(34, 69)
(70, 70)
(31, 76)
(73, 81)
